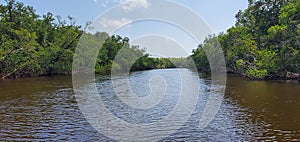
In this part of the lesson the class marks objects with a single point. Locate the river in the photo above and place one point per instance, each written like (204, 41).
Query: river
(45, 109)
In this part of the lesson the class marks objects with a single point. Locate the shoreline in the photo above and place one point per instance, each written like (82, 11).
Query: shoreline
(278, 78)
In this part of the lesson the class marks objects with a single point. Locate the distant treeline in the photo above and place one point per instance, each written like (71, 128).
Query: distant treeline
(118, 55)
(263, 44)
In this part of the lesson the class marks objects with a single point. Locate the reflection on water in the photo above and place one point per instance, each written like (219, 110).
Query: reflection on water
(46, 109)
(273, 106)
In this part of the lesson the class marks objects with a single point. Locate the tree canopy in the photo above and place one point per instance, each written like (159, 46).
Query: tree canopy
(33, 45)
(264, 43)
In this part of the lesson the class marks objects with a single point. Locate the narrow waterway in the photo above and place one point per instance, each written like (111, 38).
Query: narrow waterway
(46, 108)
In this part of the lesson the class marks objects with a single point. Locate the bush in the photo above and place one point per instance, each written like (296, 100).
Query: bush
(257, 74)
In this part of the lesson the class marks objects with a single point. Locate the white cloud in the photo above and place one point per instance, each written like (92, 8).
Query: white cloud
(129, 5)
(114, 23)
(134, 4)
(121, 1)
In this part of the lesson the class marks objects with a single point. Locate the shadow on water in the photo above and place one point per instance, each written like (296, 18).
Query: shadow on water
(271, 105)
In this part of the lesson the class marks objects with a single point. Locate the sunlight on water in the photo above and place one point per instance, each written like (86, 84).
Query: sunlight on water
(46, 109)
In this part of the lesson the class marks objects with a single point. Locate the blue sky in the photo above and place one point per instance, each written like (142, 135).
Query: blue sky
(218, 14)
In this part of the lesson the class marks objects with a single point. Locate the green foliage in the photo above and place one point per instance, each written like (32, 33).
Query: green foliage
(200, 59)
(264, 43)
(256, 73)
(266, 60)
(31, 45)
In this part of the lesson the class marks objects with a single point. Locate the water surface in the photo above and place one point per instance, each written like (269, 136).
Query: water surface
(46, 109)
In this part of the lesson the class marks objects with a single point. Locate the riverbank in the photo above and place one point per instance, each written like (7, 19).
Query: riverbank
(287, 77)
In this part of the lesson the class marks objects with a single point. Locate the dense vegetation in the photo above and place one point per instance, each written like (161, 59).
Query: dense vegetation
(116, 53)
(33, 45)
(264, 43)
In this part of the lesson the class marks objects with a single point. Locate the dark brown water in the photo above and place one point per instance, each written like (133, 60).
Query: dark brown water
(46, 109)
(274, 106)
